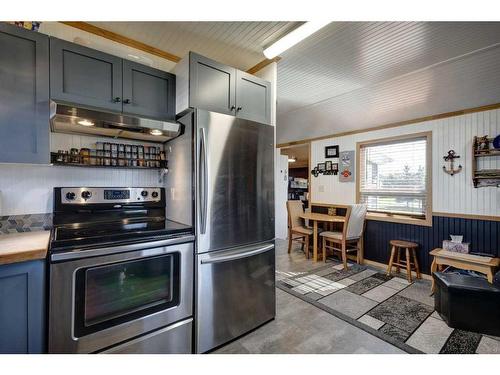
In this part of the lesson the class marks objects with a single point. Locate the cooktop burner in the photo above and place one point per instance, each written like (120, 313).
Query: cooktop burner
(95, 217)
(94, 234)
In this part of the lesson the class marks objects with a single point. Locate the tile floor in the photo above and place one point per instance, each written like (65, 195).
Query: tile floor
(300, 327)
(395, 308)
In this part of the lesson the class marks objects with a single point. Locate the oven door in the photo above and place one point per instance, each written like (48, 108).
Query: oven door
(99, 302)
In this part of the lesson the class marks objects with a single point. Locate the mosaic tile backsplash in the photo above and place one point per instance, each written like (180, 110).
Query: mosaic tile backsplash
(25, 223)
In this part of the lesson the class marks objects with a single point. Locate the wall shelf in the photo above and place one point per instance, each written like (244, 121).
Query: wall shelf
(163, 163)
(484, 177)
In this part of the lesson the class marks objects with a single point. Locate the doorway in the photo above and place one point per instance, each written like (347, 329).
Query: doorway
(298, 172)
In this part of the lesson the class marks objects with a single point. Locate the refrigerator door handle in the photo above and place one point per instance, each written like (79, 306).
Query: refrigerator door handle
(203, 181)
(246, 254)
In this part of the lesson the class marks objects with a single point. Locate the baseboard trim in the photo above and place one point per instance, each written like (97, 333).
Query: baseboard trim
(383, 267)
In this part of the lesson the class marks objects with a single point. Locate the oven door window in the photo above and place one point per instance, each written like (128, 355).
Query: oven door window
(113, 294)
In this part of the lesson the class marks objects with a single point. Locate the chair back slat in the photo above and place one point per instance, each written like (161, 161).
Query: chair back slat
(294, 209)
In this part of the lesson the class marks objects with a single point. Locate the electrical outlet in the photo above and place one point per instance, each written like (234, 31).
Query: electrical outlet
(321, 188)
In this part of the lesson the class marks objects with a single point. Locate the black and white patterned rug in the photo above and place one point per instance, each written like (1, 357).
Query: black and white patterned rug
(388, 307)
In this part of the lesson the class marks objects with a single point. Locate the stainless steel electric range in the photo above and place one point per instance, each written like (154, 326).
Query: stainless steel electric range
(121, 274)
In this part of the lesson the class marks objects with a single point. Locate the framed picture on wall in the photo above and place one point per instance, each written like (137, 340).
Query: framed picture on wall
(331, 152)
(321, 167)
(328, 166)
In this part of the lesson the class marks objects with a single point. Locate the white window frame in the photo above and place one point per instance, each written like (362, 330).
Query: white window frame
(397, 217)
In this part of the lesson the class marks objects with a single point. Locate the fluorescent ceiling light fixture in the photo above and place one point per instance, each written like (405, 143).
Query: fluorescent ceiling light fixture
(292, 159)
(86, 123)
(156, 132)
(294, 37)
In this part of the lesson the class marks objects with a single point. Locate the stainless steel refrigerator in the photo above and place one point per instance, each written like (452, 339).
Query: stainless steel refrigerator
(221, 178)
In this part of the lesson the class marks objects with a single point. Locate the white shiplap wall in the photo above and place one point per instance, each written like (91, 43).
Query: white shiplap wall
(28, 188)
(451, 194)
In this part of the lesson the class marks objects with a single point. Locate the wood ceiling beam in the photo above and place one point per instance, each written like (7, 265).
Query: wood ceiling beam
(254, 69)
(123, 40)
(85, 26)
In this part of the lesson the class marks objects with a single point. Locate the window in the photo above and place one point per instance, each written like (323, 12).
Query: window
(393, 177)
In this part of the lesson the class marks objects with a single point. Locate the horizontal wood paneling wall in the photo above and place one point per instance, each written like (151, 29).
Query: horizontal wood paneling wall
(451, 194)
(483, 235)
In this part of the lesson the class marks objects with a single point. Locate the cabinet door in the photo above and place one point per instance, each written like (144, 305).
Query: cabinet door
(253, 98)
(22, 307)
(24, 96)
(148, 92)
(84, 76)
(211, 85)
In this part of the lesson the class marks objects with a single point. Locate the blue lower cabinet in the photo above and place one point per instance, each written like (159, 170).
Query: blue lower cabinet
(22, 307)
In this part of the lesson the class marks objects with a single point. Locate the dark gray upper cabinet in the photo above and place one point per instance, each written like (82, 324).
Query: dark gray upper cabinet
(24, 96)
(148, 92)
(212, 85)
(253, 98)
(207, 84)
(85, 76)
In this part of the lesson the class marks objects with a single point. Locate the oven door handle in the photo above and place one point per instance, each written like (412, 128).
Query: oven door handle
(246, 254)
(203, 181)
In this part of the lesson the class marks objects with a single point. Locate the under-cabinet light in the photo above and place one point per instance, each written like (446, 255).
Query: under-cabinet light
(86, 123)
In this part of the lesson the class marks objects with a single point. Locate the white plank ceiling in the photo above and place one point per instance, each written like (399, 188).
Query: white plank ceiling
(356, 75)
(239, 44)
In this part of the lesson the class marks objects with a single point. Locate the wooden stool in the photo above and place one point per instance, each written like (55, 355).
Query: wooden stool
(397, 245)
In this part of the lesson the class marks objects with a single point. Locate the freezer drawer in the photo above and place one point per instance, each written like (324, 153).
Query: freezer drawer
(174, 339)
(235, 293)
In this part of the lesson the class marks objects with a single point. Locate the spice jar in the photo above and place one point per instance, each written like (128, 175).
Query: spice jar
(74, 156)
(60, 156)
(85, 156)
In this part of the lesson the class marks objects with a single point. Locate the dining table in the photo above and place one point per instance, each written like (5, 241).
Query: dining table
(324, 218)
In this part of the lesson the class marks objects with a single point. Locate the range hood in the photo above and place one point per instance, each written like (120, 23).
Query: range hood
(70, 119)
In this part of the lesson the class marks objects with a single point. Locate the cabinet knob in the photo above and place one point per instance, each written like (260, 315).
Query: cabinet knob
(239, 108)
(126, 101)
(117, 100)
(233, 108)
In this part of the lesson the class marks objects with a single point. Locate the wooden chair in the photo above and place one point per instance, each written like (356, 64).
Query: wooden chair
(295, 227)
(351, 237)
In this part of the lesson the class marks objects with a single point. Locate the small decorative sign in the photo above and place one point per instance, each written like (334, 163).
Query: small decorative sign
(450, 158)
(331, 152)
(326, 168)
(346, 166)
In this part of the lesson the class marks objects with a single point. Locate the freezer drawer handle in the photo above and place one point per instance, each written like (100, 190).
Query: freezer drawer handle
(237, 256)
(203, 181)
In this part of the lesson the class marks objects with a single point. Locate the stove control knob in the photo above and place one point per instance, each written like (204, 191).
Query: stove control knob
(154, 194)
(70, 196)
(86, 194)
(144, 193)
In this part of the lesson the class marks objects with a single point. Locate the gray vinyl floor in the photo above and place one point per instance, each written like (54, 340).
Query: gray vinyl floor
(300, 327)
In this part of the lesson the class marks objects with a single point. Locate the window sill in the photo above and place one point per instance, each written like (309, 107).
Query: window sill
(399, 219)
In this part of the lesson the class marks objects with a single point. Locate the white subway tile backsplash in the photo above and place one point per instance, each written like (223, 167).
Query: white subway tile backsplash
(27, 189)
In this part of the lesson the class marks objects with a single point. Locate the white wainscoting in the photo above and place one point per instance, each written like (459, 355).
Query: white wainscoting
(451, 194)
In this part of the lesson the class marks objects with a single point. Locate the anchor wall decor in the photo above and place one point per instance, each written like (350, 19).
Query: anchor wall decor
(450, 158)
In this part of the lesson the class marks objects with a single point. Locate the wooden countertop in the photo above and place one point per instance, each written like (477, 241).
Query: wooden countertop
(20, 247)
